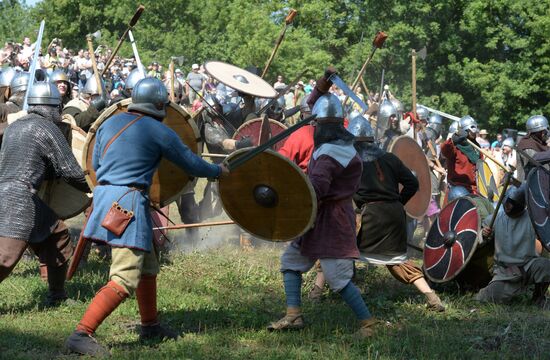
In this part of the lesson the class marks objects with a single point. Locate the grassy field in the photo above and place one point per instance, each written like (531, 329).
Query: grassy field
(221, 300)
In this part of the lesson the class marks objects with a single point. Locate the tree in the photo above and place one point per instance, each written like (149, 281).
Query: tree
(488, 59)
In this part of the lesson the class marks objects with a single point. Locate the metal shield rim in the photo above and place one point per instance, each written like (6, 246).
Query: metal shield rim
(269, 91)
(110, 111)
(309, 186)
(472, 252)
(532, 175)
(427, 168)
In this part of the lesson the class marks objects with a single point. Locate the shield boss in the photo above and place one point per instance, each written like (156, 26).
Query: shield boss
(269, 196)
(452, 240)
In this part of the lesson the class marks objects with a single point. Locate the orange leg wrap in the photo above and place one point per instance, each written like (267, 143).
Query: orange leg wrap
(107, 299)
(146, 294)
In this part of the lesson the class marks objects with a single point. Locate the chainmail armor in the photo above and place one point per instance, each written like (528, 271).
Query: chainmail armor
(15, 102)
(33, 149)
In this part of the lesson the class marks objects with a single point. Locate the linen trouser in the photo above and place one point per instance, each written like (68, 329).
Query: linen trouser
(55, 251)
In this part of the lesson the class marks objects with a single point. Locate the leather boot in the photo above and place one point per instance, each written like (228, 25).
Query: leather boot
(146, 295)
(80, 342)
(367, 328)
(293, 320)
(315, 294)
(56, 285)
(434, 302)
(107, 299)
(539, 295)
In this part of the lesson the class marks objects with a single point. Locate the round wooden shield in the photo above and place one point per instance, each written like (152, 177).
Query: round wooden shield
(452, 240)
(258, 133)
(269, 196)
(411, 154)
(65, 200)
(240, 79)
(486, 182)
(538, 203)
(169, 180)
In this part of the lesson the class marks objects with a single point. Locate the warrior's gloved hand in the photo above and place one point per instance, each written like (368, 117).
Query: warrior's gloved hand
(98, 103)
(225, 170)
(323, 83)
(458, 139)
(246, 141)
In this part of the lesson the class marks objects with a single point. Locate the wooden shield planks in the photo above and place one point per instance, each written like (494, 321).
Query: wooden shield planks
(62, 198)
(240, 79)
(253, 128)
(411, 154)
(169, 180)
(295, 210)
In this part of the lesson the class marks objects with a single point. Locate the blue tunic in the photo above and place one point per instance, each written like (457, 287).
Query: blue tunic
(132, 159)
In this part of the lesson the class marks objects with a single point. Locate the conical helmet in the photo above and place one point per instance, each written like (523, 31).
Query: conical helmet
(44, 93)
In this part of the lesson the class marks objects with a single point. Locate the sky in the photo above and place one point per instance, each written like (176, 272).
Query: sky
(32, 2)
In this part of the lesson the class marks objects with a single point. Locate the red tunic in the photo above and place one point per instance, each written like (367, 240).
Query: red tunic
(299, 147)
(335, 173)
(460, 171)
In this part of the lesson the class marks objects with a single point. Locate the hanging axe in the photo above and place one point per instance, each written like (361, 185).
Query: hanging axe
(288, 20)
(132, 23)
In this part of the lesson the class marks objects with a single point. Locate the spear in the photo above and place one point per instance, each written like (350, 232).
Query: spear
(133, 22)
(288, 20)
(377, 43)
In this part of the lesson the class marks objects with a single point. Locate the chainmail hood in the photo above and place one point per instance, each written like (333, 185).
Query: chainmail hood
(51, 113)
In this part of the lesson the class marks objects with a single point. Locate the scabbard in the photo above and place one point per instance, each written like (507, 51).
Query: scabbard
(79, 250)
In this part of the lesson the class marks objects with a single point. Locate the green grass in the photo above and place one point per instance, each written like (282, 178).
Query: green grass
(222, 299)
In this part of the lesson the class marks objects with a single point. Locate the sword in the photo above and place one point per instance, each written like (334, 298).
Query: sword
(136, 54)
(32, 70)
(233, 164)
(380, 99)
(342, 85)
(438, 112)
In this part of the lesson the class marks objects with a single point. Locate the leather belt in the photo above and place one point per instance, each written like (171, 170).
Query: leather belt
(138, 187)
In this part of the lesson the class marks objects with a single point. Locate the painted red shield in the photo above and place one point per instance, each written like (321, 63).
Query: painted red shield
(452, 240)
(538, 203)
(256, 129)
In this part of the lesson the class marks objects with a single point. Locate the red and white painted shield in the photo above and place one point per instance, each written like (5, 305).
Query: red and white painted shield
(452, 240)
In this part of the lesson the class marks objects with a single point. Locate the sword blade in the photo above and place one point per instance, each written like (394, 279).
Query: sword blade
(342, 85)
(32, 70)
(136, 54)
(438, 112)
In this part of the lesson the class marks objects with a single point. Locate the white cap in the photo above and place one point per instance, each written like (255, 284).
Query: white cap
(178, 71)
(195, 66)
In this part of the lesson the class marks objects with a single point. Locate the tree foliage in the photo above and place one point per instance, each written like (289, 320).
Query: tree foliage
(490, 59)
